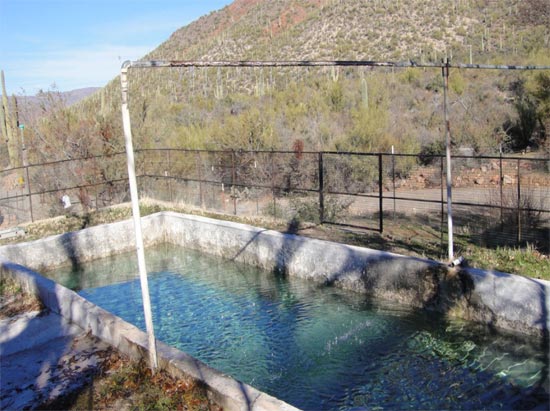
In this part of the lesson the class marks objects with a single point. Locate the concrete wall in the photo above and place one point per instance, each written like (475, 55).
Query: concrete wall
(377, 273)
(84, 245)
(498, 299)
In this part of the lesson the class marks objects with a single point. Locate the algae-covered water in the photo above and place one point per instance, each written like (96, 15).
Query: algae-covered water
(318, 347)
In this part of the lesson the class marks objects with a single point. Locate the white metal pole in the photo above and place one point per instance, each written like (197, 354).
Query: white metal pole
(445, 72)
(137, 218)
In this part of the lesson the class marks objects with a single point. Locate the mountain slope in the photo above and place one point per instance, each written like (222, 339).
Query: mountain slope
(376, 29)
(353, 109)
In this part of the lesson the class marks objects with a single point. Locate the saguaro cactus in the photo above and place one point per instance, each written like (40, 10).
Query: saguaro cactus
(8, 133)
(364, 91)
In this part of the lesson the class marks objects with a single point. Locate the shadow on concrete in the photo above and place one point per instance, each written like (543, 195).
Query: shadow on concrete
(379, 276)
(544, 321)
(45, 357)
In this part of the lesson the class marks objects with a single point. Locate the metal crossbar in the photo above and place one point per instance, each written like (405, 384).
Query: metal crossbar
(325, 63)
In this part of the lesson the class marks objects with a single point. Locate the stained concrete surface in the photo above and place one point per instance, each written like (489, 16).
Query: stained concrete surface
(498, 299)
(42, 357)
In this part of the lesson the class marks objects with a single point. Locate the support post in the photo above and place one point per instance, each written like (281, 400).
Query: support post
(380, 195)
(393, 178)
(321, 190)
(501, 182)
(137, 218)
(445, 73)
(29, 193)
(519, 203)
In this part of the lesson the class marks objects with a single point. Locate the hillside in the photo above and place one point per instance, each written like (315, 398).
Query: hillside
(354, 109)
(365, 30)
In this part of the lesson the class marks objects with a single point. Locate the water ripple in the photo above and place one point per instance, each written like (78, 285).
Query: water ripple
(320, 348)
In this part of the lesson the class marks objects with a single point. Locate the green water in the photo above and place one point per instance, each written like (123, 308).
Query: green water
(318, 347)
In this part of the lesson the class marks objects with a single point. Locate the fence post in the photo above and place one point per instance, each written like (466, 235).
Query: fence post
(257, 195)
(501, 184)
(321, 190)
(273, 184)
(380, 194)
(233, 182)
(393, 177)
(519, 204)
(199, 173)
(442, 223)
(29, 192)
(169, 177)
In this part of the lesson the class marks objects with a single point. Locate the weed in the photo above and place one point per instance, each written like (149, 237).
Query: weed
(14, 300)
(527, 261)
(131, 385)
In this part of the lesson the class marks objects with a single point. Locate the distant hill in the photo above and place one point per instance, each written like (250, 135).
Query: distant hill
(32, 106)
(74, 96)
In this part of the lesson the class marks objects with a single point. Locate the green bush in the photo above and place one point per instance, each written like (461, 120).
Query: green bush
(430, 152)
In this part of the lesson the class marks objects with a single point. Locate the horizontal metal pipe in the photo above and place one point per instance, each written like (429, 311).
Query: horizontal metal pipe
(58, 190)
(342, 153)
(324, 63)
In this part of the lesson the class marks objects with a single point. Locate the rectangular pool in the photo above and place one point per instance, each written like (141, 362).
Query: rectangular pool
(317, 347)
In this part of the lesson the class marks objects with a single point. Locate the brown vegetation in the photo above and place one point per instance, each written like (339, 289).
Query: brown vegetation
(124, 384)
(14, 300)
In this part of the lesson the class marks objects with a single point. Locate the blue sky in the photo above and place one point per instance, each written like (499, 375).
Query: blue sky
(82, 43)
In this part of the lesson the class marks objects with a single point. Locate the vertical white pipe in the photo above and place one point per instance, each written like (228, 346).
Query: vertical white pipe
(137, 218)
(445, 72)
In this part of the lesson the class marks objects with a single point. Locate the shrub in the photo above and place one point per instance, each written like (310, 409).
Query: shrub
(430, 152)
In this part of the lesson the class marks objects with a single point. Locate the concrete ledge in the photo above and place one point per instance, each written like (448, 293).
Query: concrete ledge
(498, 299)
(11, 232)
(377, 273)
(508, 301)
(128, 339)
(84, 245)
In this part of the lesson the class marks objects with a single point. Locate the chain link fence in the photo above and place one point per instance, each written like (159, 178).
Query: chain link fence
(40, 191)
(496, 200)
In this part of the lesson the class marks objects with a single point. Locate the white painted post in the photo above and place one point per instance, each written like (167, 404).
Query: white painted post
(445, 72)
(137, 218)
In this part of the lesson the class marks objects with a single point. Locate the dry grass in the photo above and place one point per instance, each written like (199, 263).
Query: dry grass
(14, 300)
(124, 384)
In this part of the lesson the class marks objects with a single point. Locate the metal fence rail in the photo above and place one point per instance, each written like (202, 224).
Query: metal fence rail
(497, 200)
(34, 192)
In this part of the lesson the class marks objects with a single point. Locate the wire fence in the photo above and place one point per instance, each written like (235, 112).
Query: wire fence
(497, 201)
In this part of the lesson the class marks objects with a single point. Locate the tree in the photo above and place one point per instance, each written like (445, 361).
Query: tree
(522, 130)
(541, 95)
